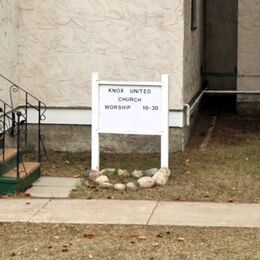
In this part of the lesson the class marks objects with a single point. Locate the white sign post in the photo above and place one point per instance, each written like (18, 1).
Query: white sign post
(140, 108)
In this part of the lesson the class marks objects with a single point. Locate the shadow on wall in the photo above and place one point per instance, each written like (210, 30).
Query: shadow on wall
(220, 103)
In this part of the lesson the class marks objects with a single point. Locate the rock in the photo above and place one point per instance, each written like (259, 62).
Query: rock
(94, 174)
(150, 172)
(131, 186)
(119, 187)
(122, 173)
(101, 179)
(165, 171)
(106, 185)
(137, 174)
(86, 174)
(146, 182)
(160, 179)
(162, 176)
(108, 172)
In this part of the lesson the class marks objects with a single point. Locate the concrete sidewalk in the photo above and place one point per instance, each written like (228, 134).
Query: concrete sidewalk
(130, 212)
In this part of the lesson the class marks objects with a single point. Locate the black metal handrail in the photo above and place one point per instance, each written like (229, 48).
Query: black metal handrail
(10, 120)
(40, 107)
(6, 116)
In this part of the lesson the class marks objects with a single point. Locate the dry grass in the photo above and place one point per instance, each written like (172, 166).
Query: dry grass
(31, 241)
(227, 170)
(218, 174)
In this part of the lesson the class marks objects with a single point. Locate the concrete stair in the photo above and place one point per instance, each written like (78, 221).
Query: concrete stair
(9, 181)
(16, 175)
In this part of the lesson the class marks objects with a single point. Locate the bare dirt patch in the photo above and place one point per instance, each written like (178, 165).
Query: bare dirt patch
(49, 241)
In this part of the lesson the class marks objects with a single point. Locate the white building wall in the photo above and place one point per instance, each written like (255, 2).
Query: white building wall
(8, 44)
(249, 50)
(61, 42)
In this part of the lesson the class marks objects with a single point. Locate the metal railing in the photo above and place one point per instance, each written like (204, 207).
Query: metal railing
(7, 123)
(10, 125)
(21, 114)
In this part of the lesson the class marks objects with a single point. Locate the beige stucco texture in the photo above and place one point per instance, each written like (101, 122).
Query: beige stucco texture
(53, 46)
(249, 48)
(8, 43)
(61, 42)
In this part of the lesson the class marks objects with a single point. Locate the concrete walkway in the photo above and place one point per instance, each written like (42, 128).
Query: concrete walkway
(130, 212)
(53, 187)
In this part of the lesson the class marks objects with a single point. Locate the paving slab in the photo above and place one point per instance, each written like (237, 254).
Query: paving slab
(96, 212)
(49, 192)
(47, 181)
(206, 214)
(19, 210)
(53, 187)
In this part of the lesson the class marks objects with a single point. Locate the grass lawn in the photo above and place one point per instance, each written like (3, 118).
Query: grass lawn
(228, 169)
(42, 241)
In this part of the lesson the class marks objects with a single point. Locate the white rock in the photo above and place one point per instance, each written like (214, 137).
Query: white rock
(122, 173)
(146, 182)
(106, 185)
(150, 172)
(131, 186)
(137, 174)
(94, 174)
(101, 179)
(108, 171)
(162, 176)
(165, 171)
(160, 179)
(119, 187)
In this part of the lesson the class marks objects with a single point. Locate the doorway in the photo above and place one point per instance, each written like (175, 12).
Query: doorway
(220, 61)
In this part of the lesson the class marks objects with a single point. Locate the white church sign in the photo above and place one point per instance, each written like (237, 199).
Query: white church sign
(140, 108)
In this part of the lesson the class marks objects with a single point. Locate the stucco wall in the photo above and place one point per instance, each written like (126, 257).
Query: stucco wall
(61, 42)
(193, 52)
(8, 44)
(249, 49)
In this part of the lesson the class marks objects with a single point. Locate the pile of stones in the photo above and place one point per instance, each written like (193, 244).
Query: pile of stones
(144, 179)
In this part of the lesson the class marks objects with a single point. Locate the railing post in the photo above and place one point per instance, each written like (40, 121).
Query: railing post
(26, 119)
(13, 124)
(4, 134)
(18, 145)
(39, 131)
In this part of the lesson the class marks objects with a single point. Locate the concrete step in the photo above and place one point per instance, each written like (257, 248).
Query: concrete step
(7, 154)
(9, 160)
(29, 172)
(25, 170)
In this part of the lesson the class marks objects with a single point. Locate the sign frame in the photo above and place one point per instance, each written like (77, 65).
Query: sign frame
(96, 131)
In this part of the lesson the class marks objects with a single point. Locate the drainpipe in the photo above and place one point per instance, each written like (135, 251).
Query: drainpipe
(187, 109)
(191, 107)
